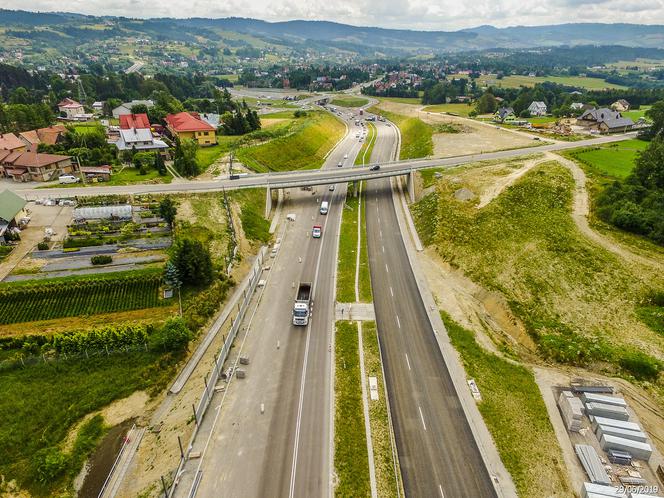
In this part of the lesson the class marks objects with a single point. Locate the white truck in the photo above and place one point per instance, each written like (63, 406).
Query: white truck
(324, 207)
(302, 306)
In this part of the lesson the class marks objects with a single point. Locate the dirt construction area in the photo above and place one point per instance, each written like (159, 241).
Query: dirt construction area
(474, 137)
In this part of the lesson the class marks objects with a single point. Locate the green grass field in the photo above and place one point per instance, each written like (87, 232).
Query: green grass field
(131, 175)
(351, 460)
(416, 135)
(208, 155)
(634, 115)
(515, 81)
(304, 148)
(576, 300)
(401, 100)
(542, 120)
(387, 480)
(42, 402)
(459, 109)
(615, 160)
(349, 101)
(347, 251)
(512, 404)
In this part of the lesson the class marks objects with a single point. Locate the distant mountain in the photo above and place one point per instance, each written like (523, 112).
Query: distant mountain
(66, 28)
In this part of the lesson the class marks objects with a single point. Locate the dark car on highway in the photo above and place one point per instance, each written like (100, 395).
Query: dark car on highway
(375, 167)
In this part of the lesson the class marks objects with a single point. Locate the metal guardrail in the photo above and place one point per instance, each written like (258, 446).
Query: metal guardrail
(215, 374)
(115, 463)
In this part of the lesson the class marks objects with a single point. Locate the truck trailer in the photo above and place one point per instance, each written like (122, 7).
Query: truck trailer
(302, 306)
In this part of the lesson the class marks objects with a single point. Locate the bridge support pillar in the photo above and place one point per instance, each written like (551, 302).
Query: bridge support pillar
(410, 186)
(355, 188)
(268, 202)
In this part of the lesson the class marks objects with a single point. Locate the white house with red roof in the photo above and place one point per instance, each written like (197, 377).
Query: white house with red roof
(135, 134)
(70, 108)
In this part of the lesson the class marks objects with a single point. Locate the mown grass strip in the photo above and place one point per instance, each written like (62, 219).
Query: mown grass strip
(347, 250)
(387, 480)
(351, 460)
(304, 148)
(349, 101)
(364, 284)
(512, 404)
(416, 135)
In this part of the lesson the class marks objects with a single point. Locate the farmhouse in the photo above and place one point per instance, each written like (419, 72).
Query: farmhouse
(537, 108)
(11, 142)
(620, 105)
(189, 125)
(135, 133)
(126, 107)
(50, 136)
(504, 115)
(604, 120)
(26, 166)
(70, 109)
(11, 210)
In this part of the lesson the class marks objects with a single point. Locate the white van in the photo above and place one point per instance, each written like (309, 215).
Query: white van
(68, 179)
(324, 207)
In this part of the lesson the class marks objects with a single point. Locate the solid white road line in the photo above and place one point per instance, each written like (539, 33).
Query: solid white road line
(422, 417)
(407, 361)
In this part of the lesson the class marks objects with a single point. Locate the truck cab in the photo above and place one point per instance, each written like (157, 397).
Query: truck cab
(301, 308)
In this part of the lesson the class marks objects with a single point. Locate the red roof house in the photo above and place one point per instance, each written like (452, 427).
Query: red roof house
(189, 125)
(129, 121)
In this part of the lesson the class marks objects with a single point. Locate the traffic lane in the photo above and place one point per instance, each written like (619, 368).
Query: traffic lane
(437, 450)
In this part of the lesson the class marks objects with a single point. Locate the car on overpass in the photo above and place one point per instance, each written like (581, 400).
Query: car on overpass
(375, 167)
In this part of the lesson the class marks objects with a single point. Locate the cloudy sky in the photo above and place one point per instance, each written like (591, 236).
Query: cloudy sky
(409, 14)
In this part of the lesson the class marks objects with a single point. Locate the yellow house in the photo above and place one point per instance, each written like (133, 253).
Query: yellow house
(189, 125)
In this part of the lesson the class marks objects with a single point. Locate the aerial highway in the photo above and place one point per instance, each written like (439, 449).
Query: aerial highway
(438, 454)
(324, 176)
(272, 436)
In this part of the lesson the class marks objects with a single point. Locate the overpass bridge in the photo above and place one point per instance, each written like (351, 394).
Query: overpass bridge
(314, 177)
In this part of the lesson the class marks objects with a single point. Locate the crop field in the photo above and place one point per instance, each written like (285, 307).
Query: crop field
(76, 296)
(615, 160)
(515, 81)
(304, 148)
(576, 300)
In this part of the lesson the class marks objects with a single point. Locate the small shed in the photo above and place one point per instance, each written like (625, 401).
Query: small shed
(11, 210)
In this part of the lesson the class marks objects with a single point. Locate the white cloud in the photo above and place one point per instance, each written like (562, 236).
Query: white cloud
(406, 14)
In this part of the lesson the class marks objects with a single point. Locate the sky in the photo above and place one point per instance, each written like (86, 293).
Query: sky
(406, 14)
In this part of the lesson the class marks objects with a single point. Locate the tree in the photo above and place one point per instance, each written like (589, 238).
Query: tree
(139, 109)
(185, 160)
(159, 164)
(487, 104)
(173, 336)
(192, 261)
(172, 279)
(168, 210)
(656, 115)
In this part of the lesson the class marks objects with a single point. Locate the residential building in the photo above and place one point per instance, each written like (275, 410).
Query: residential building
(620, 105)
(189, 125)
(33, 166)
(126, 107)
(604, 120)
(98, 106)
(504, 115)
(50, 136)
(135, 134)
(12, 209)
(537, 108)
(97, 173)
(11, 142)
(70, 109)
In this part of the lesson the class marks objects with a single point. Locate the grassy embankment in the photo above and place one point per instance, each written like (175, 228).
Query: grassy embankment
(416, 135)
(576, 300)
(42, 402)
(351, 460)
(387, 480)
(349, 101)
(609, 161)
(458, 109)
(511, 404)
(304, 147)
(364, 156)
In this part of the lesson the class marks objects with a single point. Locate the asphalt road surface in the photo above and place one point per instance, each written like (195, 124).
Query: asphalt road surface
(437, 452)
(285, 451)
